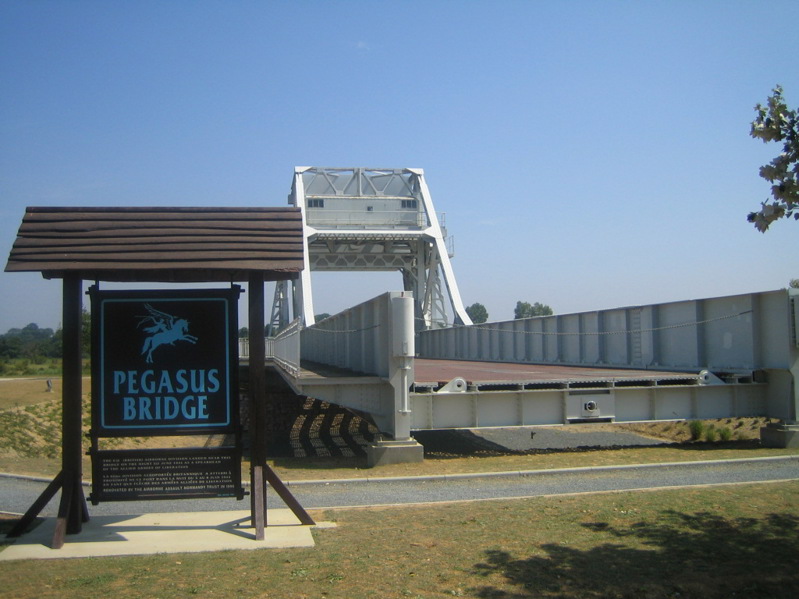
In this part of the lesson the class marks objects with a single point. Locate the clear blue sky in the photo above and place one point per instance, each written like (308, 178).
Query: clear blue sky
(587, 155)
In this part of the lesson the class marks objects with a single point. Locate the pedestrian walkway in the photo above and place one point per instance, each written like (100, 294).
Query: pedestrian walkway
(170, 532)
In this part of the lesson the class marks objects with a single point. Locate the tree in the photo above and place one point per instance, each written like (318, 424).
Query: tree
(29, 342)
(775, 122)
(794, 284)
(525, 310)
(477, 312)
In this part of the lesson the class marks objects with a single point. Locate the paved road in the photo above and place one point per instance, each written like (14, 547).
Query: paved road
(16, 495)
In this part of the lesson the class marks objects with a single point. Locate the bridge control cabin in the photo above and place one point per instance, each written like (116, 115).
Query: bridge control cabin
(364, 199)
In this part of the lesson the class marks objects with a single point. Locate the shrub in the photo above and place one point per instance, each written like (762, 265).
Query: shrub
(697, 427)
(725, 433)
(711, 434)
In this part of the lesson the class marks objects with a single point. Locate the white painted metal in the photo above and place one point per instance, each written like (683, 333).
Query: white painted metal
(284, 348)
(729, 334)
(280, 309)
(361, 219)
(735, 342)
(375, 339)
(476, 409)
(751, 364)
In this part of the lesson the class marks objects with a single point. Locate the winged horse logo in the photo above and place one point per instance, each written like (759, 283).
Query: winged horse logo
(163, 328)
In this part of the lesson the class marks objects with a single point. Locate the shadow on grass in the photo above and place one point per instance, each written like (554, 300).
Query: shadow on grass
(680, 555)
(444, 444)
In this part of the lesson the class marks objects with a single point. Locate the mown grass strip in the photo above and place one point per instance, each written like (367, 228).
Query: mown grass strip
(710, 542)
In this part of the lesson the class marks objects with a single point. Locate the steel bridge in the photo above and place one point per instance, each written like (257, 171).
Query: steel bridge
(367, 219)
(410, 364)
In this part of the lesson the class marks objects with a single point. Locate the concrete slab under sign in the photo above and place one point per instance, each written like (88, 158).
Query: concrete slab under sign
(171, 532)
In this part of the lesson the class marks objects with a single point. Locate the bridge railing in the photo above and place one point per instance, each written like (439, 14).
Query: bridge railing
(375, 338)
(359, 339)
(284, 348)
(734, 333)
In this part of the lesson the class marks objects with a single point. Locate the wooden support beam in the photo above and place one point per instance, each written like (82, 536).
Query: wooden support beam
(273, 479)
(64, 508)
(258, 501)
(257, 385)
(22, 525)
(73, 510)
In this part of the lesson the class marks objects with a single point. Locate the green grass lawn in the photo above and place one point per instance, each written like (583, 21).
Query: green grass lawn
(732, 541)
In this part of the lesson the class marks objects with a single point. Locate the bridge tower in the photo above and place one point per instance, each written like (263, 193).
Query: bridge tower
(366, 219)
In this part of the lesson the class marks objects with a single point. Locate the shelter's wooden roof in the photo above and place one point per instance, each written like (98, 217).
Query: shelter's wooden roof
(159, 244)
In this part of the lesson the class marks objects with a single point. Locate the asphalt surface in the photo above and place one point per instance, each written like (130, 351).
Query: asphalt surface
(18, 494)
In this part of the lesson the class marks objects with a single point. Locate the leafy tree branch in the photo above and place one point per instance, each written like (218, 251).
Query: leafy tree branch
(776, 122)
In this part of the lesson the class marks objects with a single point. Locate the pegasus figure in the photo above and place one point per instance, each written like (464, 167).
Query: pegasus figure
(162, 328)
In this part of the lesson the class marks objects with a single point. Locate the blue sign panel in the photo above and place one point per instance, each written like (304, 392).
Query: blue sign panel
(164, 362)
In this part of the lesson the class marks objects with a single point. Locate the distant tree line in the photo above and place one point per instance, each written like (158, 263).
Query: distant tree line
(478, 313)
(526, 310)
(32, 342)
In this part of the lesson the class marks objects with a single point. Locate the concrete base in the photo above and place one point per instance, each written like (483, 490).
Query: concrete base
(394, 452)
(780, 435)
(171, 532)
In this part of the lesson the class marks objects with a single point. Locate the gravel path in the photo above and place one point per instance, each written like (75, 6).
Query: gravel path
(16, 495)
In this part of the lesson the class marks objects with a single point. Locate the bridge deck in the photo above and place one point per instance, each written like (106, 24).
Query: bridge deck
(432, 374)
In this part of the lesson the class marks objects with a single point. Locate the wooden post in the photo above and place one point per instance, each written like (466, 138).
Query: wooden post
(257, 402)
(72, 511)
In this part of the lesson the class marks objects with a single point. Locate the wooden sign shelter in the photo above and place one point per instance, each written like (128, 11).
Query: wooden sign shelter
(183, 245)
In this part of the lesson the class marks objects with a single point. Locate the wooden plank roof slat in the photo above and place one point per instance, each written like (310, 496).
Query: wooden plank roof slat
(163, 227)
(122, 247)
(226, 241)
(149, 235)
(177, 243)
(64, 214)
(185, 256)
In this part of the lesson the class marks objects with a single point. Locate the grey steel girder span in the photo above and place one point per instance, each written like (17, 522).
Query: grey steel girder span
(506, 395)
(712, 358)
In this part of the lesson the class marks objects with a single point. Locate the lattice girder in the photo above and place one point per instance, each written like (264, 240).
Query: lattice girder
(366, 219)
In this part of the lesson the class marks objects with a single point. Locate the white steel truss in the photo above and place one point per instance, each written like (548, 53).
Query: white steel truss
(366, 219)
